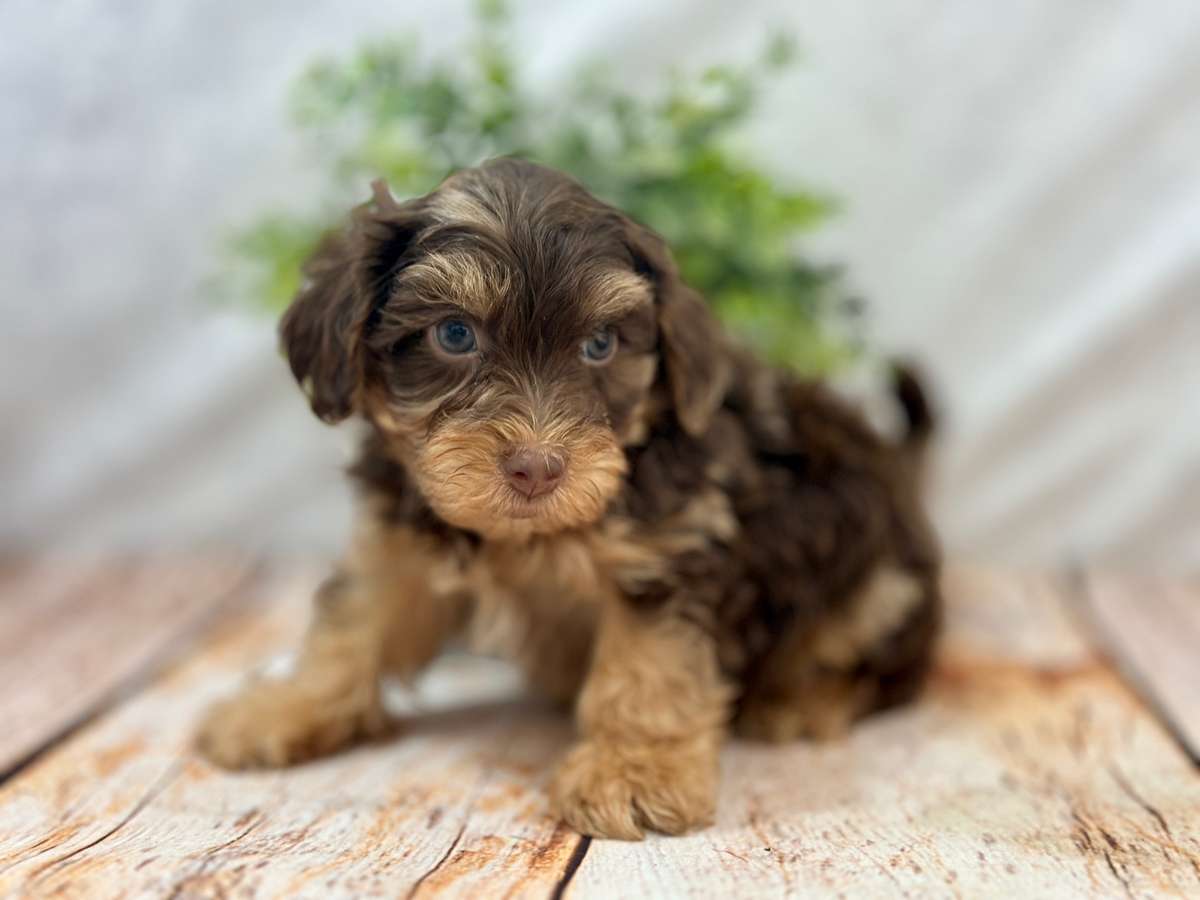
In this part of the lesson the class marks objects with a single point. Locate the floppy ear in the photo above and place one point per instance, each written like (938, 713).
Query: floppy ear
(346, 281)
(695, 354)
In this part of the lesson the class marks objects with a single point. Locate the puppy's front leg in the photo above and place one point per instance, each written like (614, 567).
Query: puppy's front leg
(652, 713)
(377, 614)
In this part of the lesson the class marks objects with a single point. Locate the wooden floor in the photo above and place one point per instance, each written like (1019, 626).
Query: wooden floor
(1056, 753)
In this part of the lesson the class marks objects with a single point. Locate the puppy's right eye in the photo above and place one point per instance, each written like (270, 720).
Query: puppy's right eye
(455, 337)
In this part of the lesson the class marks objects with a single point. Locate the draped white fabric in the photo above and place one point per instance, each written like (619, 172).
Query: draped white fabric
(1021, 185)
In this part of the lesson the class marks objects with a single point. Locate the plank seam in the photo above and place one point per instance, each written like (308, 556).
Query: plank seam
(175, 647)
(208, 857)
(1123, 783)
(1081, 603)
(1124, 880)
(573, 864)
(469, 808)
(412, 891)
(157, 788)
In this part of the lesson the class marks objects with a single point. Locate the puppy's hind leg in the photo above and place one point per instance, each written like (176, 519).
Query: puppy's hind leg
(816, 683)
(378, 614)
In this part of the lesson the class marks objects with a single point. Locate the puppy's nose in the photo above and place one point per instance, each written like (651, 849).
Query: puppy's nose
(533, 471)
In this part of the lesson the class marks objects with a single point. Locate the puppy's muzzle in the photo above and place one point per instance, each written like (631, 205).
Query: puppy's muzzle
(533, 471)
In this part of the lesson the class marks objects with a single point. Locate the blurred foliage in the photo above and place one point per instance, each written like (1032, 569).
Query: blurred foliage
(665, 159)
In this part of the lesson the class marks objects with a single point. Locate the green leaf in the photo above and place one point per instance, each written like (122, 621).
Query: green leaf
(665, 155)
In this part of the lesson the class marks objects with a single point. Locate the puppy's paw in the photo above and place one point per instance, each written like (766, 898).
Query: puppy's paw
(615, 790)
(824, 713)
(279, 723)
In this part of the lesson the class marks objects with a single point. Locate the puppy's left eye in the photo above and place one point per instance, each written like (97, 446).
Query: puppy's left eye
(455, 337)
(600, 347)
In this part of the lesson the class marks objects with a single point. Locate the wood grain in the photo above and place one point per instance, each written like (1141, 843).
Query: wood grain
(125, 808)
(1151, 628)
(74, 635)
(1030, 769)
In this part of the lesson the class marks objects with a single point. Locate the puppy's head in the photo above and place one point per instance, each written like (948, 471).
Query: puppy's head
(510, 335)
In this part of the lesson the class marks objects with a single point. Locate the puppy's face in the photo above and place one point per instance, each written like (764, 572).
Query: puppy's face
(509, 369)
(510, 336)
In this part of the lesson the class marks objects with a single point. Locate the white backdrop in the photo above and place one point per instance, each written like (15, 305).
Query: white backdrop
(1022, 207)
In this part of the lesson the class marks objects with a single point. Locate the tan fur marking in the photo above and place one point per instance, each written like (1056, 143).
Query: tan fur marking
(640, 376)
(615, 293)
(652, 713)
(473, 283)
(828, 706)
(454, 205)
(806, 687)
(879, 609)
(458, 469)
(538, 606)
(390, 609)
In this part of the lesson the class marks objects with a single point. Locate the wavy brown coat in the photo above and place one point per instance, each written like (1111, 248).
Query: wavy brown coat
(730, 546)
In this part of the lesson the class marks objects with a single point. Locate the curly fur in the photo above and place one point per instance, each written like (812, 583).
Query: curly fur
(729, 546)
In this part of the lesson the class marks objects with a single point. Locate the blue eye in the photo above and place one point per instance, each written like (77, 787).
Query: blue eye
(455, 336)
(600, 347)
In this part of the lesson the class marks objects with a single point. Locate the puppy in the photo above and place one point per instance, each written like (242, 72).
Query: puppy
(569, 463)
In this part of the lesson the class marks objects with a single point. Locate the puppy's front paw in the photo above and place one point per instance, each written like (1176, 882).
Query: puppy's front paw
(613, 790)
(279, 723)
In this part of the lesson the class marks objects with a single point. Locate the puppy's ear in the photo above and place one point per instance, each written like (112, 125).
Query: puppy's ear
(695, 354)
(346, 281)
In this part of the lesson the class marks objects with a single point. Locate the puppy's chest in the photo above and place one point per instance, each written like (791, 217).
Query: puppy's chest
(524, 592)
(563, 582)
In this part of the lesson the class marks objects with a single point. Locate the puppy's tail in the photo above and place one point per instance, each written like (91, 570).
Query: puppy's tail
(919, 416)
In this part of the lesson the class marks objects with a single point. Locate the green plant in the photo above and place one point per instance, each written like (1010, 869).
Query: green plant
(664, 159)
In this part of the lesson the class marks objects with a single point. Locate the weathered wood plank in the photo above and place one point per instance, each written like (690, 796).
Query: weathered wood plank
(1151, 628)
(73, 634)
(1029, 769)
(126, 809)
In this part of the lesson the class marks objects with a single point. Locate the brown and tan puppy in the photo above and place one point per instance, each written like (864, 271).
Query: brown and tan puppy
(568, 463)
